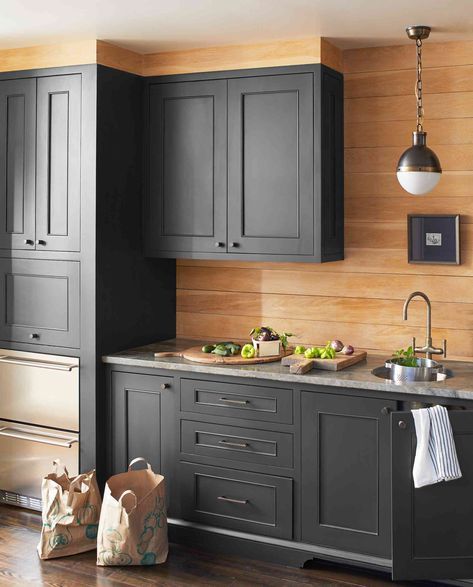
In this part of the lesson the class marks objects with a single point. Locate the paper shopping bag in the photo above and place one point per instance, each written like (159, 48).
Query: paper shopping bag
(70, 513)
(133, 523)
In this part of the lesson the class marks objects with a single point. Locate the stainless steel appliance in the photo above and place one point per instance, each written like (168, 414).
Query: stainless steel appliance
(39, 422)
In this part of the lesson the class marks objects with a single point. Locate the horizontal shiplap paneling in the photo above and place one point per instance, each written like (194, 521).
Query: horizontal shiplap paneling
(403, 56)
(368, 336)
(400, 83)
(398, 133)
(333, 309)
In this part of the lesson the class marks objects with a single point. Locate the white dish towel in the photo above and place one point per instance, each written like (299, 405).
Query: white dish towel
(436, 456)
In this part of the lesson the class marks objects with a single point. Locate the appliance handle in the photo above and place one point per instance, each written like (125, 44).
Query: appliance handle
(21, 434)
(32, 363)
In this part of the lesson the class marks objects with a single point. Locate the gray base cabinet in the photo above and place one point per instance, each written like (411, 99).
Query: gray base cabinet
(290, 473)
(245, 164)
(346, 472)
(432, 526)
(142, 411)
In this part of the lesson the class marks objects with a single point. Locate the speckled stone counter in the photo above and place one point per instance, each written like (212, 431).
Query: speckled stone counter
(359, 376)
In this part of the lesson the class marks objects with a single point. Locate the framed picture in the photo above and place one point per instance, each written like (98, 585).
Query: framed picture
(434, 238)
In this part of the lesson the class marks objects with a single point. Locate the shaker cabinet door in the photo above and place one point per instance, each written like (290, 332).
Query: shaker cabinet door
(432, 525)
(17, 163)
(346, 473)
(58, 182)
(271, 165)
(40, 302)
(142, 422)
(187, 176)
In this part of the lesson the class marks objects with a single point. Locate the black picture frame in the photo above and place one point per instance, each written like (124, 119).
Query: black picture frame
(433, 239)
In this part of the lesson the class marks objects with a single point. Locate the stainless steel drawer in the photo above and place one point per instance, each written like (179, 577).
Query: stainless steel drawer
(39, 389)
(247, 445)
(27, 454)
(238, 500)
(39, 302)
(248, 402)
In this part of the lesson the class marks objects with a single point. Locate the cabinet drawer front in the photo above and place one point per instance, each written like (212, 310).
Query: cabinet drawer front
(237, 500)
(39, 301)
(238, 444)
(250, 402)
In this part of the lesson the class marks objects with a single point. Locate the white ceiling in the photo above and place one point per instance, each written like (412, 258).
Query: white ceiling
(162, 25)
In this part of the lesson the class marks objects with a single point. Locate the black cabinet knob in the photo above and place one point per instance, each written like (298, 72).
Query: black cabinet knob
(165, 386)
(40, 242)
(402, 424)
(219, 244)
(34, 335)
(385, 411)
(234, 245)
(28, 241)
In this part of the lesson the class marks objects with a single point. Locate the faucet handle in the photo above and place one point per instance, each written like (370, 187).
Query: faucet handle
(444, 348)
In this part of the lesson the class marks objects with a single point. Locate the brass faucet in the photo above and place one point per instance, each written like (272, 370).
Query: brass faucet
(428, 349)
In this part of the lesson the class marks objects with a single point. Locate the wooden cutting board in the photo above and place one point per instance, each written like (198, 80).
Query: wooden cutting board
(195, 354)
(299, 364)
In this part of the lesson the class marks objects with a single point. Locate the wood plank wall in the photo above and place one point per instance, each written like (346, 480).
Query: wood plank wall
(360, 299)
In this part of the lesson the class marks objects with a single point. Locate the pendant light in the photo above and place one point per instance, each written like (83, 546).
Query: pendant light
(418, 170)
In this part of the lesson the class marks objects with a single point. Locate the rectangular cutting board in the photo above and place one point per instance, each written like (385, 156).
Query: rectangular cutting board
(299, 364)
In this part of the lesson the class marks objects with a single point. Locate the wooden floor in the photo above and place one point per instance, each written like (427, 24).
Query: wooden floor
(20, 565)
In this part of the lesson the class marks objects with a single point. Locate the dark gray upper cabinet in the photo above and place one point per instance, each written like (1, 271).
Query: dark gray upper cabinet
(346, 472)
(270, 165)
(278, 192)
(17, 163)
(40, 153)
(58, 163)
(187, 166)
(432, 525)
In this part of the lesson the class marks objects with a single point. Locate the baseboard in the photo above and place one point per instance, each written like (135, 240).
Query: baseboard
(284, 552)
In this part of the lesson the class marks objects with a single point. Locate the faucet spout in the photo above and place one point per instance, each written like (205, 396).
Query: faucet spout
(421, 294)
(428, 349)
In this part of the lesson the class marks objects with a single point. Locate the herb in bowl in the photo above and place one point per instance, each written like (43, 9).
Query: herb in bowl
(405, 358)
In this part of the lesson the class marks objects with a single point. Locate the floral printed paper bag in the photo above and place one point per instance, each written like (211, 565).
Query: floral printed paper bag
(71, 511)
(133, 523)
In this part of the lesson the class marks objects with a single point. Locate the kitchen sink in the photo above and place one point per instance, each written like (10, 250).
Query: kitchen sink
(422, 374)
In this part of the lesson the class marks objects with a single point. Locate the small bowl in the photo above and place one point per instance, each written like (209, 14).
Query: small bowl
(267, 348)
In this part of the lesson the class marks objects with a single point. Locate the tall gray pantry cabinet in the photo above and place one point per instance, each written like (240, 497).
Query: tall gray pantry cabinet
(73, 280)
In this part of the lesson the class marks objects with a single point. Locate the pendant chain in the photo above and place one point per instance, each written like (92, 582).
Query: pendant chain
(418, 86)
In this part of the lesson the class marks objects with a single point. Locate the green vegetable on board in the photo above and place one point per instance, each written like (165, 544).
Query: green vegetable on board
(248, 351)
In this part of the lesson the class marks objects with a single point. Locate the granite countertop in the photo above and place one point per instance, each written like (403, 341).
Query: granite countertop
(358, 376)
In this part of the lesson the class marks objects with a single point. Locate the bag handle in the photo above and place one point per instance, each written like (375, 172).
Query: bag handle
(77, 481)
(124, 494)
(58, 465)
(138, 460)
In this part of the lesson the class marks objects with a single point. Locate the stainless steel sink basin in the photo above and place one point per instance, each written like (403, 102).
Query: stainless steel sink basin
(422, 375)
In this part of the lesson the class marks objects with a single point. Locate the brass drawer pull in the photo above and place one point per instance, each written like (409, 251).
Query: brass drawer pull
(237, 402)
(235, 444)
(232, 500)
